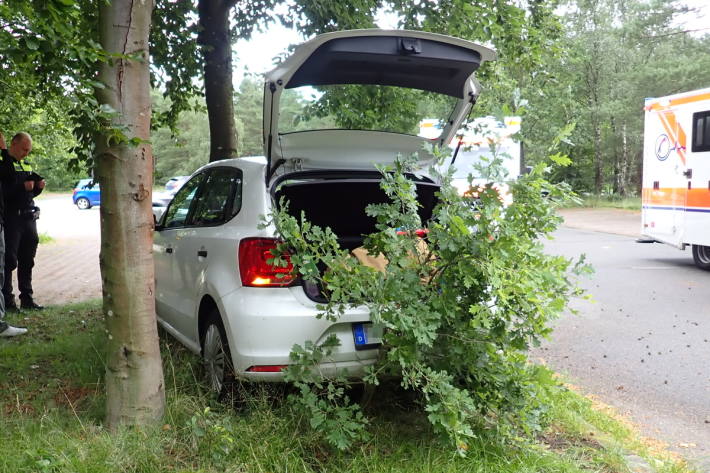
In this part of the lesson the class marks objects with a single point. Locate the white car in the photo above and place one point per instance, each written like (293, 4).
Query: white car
(215, 291)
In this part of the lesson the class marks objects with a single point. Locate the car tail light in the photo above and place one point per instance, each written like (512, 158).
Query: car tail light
(267, 368)
(254, 269)
(421, 232)
(74, 193)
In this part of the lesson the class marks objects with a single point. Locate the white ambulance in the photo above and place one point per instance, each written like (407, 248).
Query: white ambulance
(484, 139)
(676, 172)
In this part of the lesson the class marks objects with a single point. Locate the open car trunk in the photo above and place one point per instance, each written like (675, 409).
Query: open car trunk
(339, 201)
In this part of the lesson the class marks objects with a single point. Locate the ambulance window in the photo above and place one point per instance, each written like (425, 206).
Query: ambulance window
(701, 131)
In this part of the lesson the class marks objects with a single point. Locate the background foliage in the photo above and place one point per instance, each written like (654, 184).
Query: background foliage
(590, 63)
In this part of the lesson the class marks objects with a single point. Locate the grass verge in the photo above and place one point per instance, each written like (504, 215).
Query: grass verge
(52, 404)
(615, 202)
(45, 238)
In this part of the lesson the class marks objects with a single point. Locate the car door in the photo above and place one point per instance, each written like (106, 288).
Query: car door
(167, 242)
(94, 194)
(204, 242)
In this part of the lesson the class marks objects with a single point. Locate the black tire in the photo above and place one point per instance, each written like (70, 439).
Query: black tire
(701, 256)
(83, 203)
(216, 357)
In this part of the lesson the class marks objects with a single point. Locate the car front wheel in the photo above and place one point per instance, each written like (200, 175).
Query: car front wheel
(83, 203)
(216, 357)
(701, 256)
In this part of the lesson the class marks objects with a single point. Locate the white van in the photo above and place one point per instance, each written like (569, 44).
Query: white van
(676, 172)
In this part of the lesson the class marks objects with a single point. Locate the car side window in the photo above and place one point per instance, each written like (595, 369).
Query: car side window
(214, 205)
(176, 215)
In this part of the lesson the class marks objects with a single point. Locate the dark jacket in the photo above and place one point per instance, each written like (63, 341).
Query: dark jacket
(13, 174)
(5, 176)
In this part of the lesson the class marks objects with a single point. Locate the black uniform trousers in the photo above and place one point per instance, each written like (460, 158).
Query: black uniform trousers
(21, 242)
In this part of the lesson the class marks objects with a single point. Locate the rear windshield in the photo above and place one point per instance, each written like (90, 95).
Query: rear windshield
(364, 107)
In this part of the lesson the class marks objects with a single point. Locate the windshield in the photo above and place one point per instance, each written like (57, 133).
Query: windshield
(364, 107)
(477, 160)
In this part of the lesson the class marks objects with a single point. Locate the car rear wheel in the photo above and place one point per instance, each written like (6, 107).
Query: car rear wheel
(701, 256)
(83, 203)
(216, 357)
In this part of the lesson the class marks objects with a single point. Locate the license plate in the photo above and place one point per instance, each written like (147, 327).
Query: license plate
(367, 335)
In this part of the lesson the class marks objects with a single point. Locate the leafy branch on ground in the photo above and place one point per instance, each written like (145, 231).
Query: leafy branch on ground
(459, 307)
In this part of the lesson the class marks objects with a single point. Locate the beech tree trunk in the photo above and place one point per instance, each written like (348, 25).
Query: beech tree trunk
(134, 375)
(214, 38)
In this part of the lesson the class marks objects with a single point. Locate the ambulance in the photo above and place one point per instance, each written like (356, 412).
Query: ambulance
(675, 196)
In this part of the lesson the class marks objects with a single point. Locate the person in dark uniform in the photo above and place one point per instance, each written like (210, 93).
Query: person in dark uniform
(6, 330)
(19, 188)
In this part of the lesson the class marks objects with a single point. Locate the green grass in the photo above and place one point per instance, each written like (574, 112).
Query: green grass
(45, 238)
(628, 203)
(52, 402)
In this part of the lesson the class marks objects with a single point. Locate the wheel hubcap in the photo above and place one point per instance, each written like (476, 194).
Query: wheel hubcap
(214, 358)
(82, 204)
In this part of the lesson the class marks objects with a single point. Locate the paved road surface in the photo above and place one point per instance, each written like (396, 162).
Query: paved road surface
(67, 269)
(643, 345)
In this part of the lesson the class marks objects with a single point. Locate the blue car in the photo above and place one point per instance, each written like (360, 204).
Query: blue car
(86, 194)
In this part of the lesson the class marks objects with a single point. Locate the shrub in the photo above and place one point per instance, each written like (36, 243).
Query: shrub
(459, 308)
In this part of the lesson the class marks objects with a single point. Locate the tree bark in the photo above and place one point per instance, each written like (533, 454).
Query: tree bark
(134, 375)
(598, 177)
(623, 179)
(214, 38)
(617, 159)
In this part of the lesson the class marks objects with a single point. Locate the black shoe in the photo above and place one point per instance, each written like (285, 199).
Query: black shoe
(30, 305)
(11, 307)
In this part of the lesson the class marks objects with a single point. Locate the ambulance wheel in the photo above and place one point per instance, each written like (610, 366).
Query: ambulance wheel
(701, 256)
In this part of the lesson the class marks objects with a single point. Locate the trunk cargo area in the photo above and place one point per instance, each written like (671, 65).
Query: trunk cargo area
(340, 203)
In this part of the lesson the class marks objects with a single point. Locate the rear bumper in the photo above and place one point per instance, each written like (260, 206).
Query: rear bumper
(263, 324)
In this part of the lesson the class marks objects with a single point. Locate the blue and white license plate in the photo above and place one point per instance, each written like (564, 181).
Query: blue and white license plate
(367, 335)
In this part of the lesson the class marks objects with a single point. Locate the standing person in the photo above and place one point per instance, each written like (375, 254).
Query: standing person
(5, 163)
(20, 187)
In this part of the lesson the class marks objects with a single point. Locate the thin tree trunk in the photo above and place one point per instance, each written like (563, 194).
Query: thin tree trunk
(134, 374)
(598, 178)
(617, 159)
(624, 168)
(216, 46)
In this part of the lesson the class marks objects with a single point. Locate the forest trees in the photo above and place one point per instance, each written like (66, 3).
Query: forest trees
(613, 55)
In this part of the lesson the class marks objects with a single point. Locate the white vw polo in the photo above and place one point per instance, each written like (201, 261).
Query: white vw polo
(215, 291)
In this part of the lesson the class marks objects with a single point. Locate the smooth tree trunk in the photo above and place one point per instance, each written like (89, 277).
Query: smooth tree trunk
(617, 160)
(624, 161)
(135, 392)
(215, 41)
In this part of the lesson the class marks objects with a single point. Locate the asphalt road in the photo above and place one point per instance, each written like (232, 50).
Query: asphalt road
(62, 220)
(643, 344)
